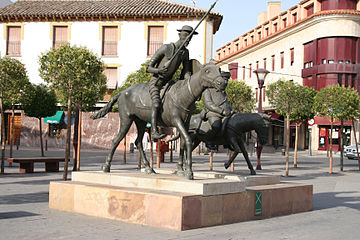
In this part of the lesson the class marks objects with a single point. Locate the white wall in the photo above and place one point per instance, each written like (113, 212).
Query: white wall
(132, 46)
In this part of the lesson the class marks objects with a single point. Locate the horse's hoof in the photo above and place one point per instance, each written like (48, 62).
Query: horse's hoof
(149, 170)
(105, 168)
(189, 175)
(180, 173)
(226, 165)
(252, 172)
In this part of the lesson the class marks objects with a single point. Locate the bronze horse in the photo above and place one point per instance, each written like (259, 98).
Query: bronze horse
(178, 104)
(231, 135)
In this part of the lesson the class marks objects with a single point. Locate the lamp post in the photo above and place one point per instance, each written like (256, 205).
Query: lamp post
(261, 75)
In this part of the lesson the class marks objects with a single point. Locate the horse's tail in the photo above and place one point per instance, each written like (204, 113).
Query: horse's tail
(103, 111)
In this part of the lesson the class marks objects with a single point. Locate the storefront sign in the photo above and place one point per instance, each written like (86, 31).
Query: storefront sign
(258, 207)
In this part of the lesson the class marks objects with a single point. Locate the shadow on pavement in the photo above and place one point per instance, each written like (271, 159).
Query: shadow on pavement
(37, 197)
(336, 199)
(17, 214)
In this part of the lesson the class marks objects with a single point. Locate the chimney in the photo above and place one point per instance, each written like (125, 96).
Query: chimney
(273, 9)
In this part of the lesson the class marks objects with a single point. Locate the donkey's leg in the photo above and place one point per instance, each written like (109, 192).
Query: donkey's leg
(141, 125)
(246, 156)
(125, 124)
(233, 143)
(184, 134)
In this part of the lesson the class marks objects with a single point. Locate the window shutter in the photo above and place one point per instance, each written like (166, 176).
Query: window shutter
(155, 39)
(14, 41)
(60, 35)
(110, 40)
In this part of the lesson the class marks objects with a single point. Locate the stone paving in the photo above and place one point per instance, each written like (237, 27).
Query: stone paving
(24, 212)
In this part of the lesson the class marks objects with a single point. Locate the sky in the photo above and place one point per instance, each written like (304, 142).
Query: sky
(239, 16)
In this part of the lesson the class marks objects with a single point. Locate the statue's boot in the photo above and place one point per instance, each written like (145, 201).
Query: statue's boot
(155, 135)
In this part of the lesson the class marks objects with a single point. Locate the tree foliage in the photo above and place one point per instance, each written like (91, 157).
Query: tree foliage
(240, 96)
(337, 102)
(76, 70)
(13, 80)
(39, 101)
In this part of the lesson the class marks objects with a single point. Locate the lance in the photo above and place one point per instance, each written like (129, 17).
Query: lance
(167, 64)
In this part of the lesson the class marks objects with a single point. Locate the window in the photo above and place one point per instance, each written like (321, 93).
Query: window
(111, 77)
(252, 39)
(264, 63)
(155, 39)
(237, 47)
(266, 32)
(60, 35)
(275, 27)
(245, 42)
(257, 65)
(243, 72)
(273, 62)
(55, 130)
(282, 59)
(110, 41)
(259, 35)
(294, 18)
(284, 22)
(310, 10)
(323, 61)
(249, 70)
(256, 94)
(291, 56)
(13, 41)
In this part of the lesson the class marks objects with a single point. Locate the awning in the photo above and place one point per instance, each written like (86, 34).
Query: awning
(56, 119)
(326, 121)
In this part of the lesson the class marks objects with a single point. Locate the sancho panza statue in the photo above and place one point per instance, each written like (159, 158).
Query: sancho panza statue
(163, 73)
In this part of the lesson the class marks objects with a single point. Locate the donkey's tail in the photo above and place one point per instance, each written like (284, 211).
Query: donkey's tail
(107, 108)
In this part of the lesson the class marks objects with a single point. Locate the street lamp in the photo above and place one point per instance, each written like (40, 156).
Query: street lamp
(261, 75)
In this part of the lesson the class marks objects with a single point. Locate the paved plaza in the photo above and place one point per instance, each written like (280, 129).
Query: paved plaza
(24, 212)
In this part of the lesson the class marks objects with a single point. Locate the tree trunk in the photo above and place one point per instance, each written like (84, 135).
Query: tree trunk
(12, 130)
(356, 143)
(296, 144)
(68, 135)
(331, 157)
(341, 145)
(287, 144)
(124, 159)
(79, 140)
(2, 124)
(41, 139)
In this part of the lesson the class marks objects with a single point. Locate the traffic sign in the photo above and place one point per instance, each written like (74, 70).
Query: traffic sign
(311, 122)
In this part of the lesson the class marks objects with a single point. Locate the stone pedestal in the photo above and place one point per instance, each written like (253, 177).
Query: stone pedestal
(174, 203)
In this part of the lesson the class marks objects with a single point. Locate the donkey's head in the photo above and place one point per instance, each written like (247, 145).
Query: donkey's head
(262, 128)
(211, 77)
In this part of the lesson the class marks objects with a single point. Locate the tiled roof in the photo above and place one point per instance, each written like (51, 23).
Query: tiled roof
(103, 9)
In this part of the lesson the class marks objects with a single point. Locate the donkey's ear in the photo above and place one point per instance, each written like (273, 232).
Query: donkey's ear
(195, 65)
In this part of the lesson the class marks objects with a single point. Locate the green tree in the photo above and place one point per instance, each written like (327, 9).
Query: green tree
(240, 96)
(337, 102)
(303, 111)
(39, 101)
(13, 79)
(294, 102)
(76, 75)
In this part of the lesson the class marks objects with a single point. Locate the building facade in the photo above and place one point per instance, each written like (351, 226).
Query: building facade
(315, 43)
(124, 34)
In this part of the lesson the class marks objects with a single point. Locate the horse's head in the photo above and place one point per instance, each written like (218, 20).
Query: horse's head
(211, 76)
(262, 128)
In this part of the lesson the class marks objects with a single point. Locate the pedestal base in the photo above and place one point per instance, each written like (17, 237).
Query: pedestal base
(179, 210)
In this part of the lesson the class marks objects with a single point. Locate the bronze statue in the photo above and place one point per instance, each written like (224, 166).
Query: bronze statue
(216, 107)
(162, 74)
(178, 105)
(231, 137)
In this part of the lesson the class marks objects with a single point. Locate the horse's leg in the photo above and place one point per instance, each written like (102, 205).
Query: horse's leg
(188, 161)
(141, 125)
(180, 168)
(125, 124)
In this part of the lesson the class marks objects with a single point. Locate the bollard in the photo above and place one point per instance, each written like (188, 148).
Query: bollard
(131, 147)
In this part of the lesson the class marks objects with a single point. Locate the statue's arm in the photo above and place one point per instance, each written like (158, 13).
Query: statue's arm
(155, 60)
(209, 103)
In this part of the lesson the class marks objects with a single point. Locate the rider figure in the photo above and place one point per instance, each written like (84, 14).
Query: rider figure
(162, 74)
(217, 106)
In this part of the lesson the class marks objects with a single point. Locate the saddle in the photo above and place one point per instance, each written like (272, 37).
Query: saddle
(145, 100)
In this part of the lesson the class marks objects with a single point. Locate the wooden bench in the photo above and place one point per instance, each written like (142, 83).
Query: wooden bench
(27, 164)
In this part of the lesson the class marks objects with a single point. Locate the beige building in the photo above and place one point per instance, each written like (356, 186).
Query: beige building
(315, 43)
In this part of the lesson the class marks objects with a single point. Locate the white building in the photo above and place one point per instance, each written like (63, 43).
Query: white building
(124, 33)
